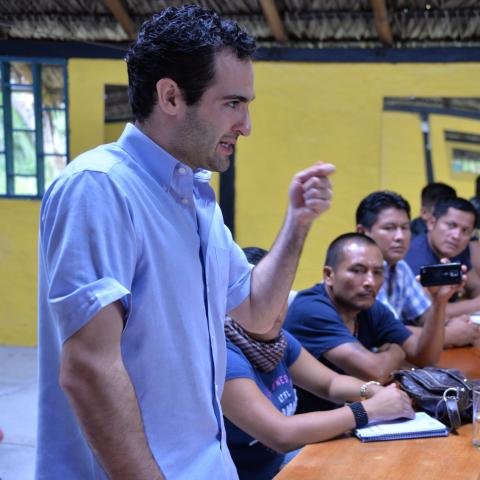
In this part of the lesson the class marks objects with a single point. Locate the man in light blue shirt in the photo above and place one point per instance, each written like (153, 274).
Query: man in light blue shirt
(137, 270)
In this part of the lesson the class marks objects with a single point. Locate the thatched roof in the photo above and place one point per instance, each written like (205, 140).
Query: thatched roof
(293, 23)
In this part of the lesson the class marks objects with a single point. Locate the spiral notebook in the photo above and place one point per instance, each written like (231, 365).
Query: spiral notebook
(423, 425)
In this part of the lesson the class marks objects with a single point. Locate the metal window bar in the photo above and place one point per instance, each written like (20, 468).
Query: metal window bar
(67, 120)
(7, 127)
(37, 106)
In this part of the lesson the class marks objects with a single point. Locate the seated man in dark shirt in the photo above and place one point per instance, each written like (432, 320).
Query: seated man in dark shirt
(341, 323)
(449, 234)
(431, 194)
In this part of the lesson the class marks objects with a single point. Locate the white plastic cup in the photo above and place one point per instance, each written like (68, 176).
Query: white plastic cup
(475, 318)
(476, 417)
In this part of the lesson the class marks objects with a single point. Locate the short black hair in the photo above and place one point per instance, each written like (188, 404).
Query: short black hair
(254, 254)
(372, 205)
(442, 206)
(335, 250)
(477, 186)
(180, 43)
(435, 191)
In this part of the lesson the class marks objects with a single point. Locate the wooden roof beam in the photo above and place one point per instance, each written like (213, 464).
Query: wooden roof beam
(270, 12)
(123, 18)
(382, 23)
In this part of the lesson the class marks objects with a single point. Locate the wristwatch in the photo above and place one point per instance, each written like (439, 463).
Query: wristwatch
(363, 388)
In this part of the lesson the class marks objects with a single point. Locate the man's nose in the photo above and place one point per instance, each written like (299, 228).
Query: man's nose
(368, 279)
(456, 233)
(399, 234)
(244, 127)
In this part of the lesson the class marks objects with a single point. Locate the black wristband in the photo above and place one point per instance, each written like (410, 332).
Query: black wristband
(359, 413)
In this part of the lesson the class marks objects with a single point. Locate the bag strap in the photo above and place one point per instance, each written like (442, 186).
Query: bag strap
(450, 397)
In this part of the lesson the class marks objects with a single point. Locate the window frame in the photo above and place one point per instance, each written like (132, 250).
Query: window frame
(36, 88)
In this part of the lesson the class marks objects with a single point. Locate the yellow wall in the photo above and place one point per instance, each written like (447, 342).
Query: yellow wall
(86, 84)
(303, 113)
(331, 112)
(18, 267)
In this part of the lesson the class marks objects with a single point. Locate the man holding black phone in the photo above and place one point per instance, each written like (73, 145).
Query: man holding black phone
(449, 236)
(385, 217)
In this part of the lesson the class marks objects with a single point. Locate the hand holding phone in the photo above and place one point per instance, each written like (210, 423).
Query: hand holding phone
(441, 274)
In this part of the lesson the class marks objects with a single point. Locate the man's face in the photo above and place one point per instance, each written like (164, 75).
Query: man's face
(392, 234)
(211, 127)
(357, 279)
(450, 234)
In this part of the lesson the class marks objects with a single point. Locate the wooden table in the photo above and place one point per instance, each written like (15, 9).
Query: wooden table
(441, 458)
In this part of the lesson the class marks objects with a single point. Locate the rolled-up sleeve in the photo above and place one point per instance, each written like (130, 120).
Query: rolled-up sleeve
(239, 277)
(89, 248)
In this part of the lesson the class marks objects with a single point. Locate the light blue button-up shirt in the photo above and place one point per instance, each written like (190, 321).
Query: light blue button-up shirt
(127, 221)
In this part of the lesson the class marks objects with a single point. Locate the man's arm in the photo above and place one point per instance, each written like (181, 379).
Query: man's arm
(95, 380)
(463, 307)
(473, 280)
(246, 406)
(460, 331)
(471, 303)
(425, 345)
(354, 359)
(310, 195)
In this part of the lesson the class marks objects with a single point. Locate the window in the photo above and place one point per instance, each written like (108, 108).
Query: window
(33, 126)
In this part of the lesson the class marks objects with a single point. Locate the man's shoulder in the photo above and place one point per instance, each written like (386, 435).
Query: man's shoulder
(312, 310)
(378, 312)
(419, 253)
(100, 159)
(419, 240)
(404, 273)
(89, 173)
(314, 297)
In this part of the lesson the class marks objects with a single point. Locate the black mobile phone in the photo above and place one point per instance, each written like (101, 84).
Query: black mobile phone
(441, 274)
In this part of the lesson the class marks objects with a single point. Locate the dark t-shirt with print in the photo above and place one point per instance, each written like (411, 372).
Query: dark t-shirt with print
(255, 461)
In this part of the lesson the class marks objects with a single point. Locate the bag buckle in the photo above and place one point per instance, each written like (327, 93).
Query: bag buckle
(454, 390)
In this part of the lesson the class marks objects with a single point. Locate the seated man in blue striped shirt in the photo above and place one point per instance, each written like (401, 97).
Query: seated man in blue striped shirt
(385, 217)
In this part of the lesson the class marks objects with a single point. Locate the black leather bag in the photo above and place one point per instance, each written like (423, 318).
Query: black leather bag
(444, 393)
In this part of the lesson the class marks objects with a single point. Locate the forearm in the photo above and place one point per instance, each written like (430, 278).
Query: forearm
(376, 366)
(463, 307)
(385, 363)
(430, 340)
(344, 388)
(272, 278)
(106, 407)
(298, 430)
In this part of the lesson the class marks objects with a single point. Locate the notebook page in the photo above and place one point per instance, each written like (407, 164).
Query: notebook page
(421, 423)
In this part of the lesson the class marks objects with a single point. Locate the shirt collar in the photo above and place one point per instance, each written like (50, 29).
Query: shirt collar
(389, 269)
(154, 159)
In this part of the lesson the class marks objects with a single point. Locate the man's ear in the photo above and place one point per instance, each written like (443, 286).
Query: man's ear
(170, 98)
(328, 275)
(361, 229)
(425, 213)
(431, 223)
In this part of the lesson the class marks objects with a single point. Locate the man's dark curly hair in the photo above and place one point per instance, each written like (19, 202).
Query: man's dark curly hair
(180, 43)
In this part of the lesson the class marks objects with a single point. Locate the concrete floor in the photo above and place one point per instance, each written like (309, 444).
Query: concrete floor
(18, 412)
